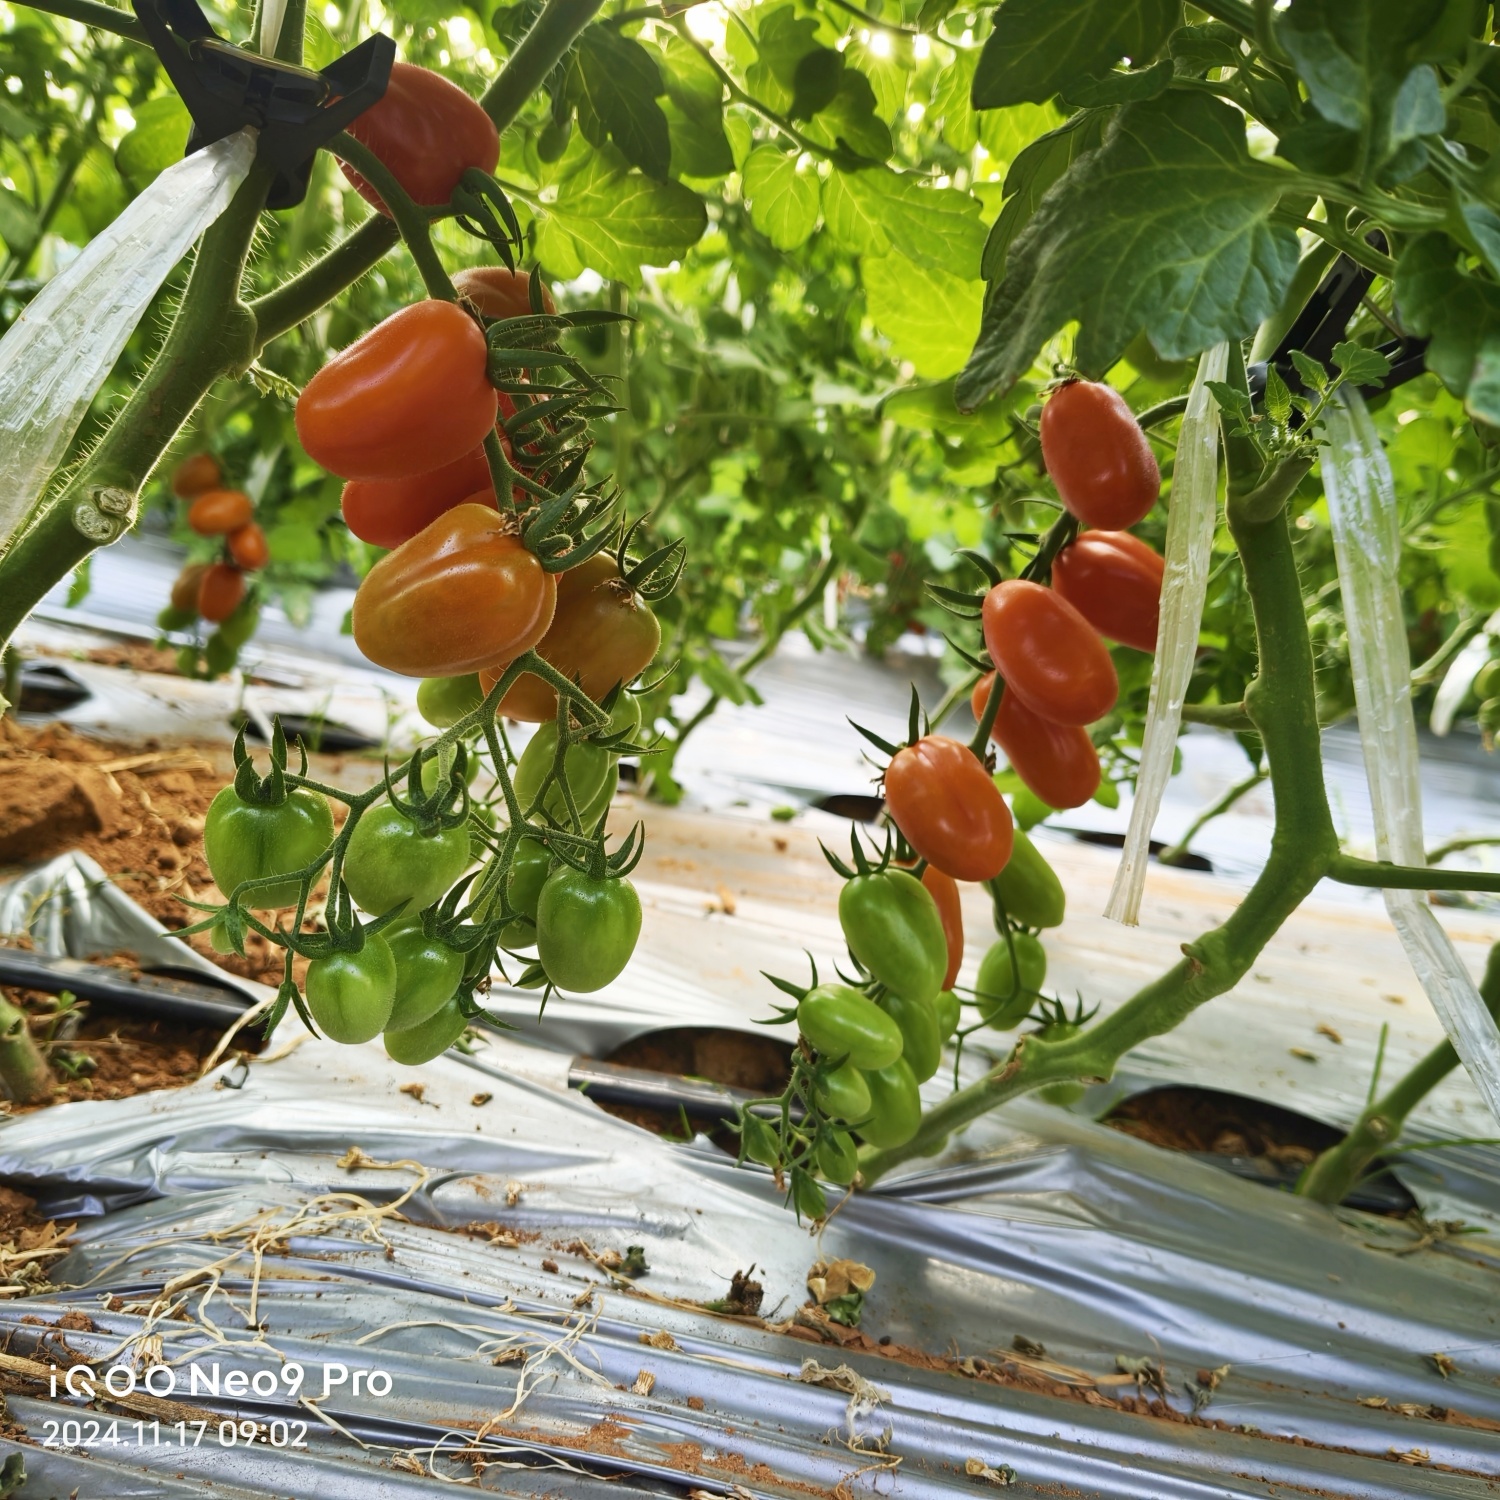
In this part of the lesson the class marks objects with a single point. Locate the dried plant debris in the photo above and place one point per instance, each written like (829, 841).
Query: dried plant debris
(744, 1299)
(839, 1288)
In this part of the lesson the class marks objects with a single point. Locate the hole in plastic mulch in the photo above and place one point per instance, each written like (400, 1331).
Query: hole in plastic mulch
(1117, 841)
(47, 688)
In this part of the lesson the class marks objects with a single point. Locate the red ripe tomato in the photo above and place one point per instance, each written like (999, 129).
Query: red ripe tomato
(952, 813)
(410, 396)
(1057, 761)
(1098, 456)
(219, 591)
(1049, 655)
(499, 293)
(429, 132)
(196, 473)
(944, 891)
(216, 512)
(247, 546)
(1113, 580)
(460, 595)
(387, 512)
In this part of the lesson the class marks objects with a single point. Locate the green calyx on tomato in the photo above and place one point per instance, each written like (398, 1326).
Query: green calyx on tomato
(838, 1159)
(351, 994)
(428, 1039)
(428, 973)
(842, 1093)
(391, 859)
(895, 1105)
(1029, 888)
(586, 928)
(922, 1046)
(844, 1024)
(1007, 987)
(893, 928)
(758, 1140)
(587, 767)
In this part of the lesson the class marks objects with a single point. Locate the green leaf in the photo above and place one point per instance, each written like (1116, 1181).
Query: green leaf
(555, 249)
(621, 82)
(620, 221)
(1165, 228)
(850, 120)
(699, 147)
(296, 542)
(1356, 59)
(1314, 376)
(1029, 177)
(783, 201)
(936, 227)
(78, 589)
(691, 82)
(929, 316)
(158, 139)
(889, 72)
(1483, 224)
(1460, 314)
(815, 82)
(1278, 398)
(1359, 365)
(950, 101)
(1196, 49)
(1040, 47)
(18, 226)
(1120, 88)
(15, 123)
(740, 134)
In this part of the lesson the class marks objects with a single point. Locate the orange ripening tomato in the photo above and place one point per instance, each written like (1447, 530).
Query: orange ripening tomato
(219, 591)
(387, 512)
(602, 634)
(196, 473)
(1097, 455)
(217, 512)
(1114, 581)
(410, 396)
(944, 891)
(428, 132)
(185, 588)
(247, 546)
(498, 292)
(1058, 762)
(941, 797)
(462, 594)
(1049, 655)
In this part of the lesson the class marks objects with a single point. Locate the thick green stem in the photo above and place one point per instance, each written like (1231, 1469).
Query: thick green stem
(540, 50)
(295, 301)
(212, 335)
(1348, 870)
(1282, 705)
(1179, 851)
(23, 1069)
(1331, 1177)
(91, 13)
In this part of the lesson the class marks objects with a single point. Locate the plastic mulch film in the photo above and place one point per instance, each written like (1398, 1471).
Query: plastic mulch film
(58, 352)
(1190, 537)
(1361, 495)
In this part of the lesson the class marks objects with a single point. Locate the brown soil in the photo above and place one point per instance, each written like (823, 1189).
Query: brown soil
(139, 656)
(29, 1244)
(138, 811)
(1218, 1124)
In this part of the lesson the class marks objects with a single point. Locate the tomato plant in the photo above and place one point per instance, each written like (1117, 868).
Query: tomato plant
(1049, 656)
(892, 926)
(586, 928)
(940, 797)
(1098, 456)
(1058, 762)
(1113, 580)
(392, 861)
(351, 994)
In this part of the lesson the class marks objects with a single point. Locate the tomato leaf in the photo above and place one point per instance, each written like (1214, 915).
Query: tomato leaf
(929, 316)
(1460, 314)
(871, 211)
(158, 139)
(18, 225)
(783, 201)
(1040, 47)
(1120, 87)
(700, 147)
(850, 120)
(1166, 228)
(621, 82)
(950, 101)
(691, 83)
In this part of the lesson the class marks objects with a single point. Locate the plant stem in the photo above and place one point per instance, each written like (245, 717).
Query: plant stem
(1179, 851)
(23, 1069)
(91, 13)
(1330, 1178)
(1231, 716)
(1282, 705)
(1348, 870)
(212, 335)
(538, 52)
(299, 298)
(1457, 846)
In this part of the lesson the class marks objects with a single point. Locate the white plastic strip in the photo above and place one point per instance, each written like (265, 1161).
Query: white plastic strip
(1190, 538)
(57, 354)
(272, 14)
(1361, 495)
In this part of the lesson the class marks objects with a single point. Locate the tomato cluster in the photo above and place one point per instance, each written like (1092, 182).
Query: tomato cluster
(216, 591)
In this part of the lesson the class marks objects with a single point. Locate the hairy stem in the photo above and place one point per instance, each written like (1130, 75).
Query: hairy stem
(23, 1069)
(92, 13)
(539, 51)
(297, 299)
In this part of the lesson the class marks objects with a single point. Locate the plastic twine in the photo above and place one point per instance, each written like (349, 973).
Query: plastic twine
(1361, 495)
(1190, 536)
(58, 352)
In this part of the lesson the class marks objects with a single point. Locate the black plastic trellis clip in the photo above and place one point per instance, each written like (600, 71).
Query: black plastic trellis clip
(1322, 323)
(227, 88)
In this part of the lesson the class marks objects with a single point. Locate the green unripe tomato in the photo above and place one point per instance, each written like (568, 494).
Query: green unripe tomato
(1061, 1094)
(838, 1159)
(518, 934)
(428, 1039)
(240, 626)
(947, 1010)
(1028, 809)
(1487, 682)
(389, 860)
(1003, 1003)
(588, 770)
(843, 1023)
(172, 618)
(922, 1047)
(219, 654)
(895, 1106)
(760, 1140)
(843, 1094)
(248, 841)
(427, 974)
(892, 926)
(443, 701)
(1489, 715)
(529, 867)
(586, 929)
(807, 1196)
(625, 716)
(430, 772)
(351, 995)
(1029, 887)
